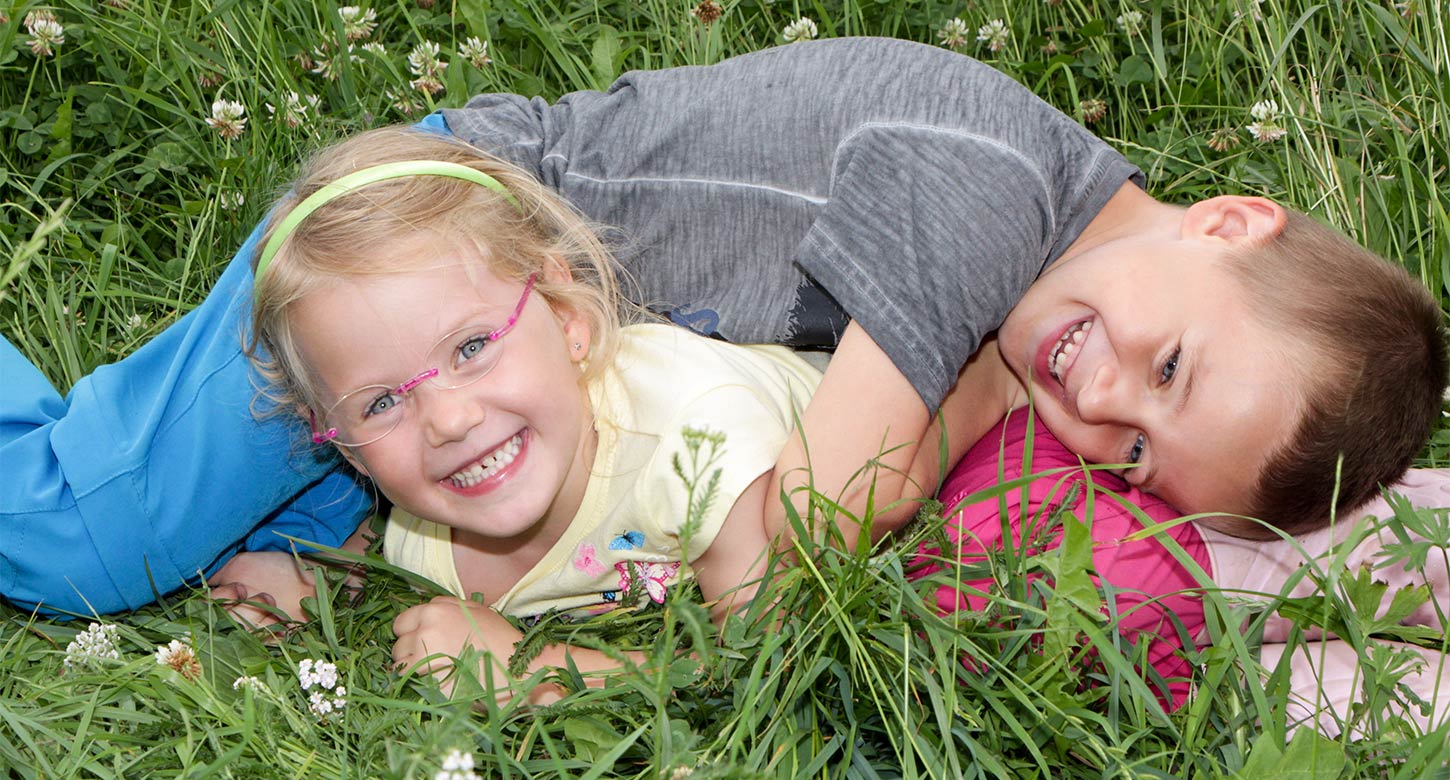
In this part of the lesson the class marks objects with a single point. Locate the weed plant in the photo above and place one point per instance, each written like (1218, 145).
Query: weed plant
(121, 205)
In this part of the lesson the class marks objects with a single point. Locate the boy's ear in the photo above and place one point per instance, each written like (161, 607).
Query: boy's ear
(1234, 218)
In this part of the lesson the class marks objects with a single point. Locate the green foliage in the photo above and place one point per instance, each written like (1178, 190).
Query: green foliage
(117, 196)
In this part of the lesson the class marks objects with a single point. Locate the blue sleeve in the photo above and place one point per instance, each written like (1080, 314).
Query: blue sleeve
(154, 470)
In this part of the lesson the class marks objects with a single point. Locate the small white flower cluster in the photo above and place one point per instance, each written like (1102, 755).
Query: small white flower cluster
(228, 118)
(995, 34)
(45, 32)
(247, 683)
(802, 29)
(97, 642)
(294, 108)
(179, 656)
(134, 323)
(953, 34)
(373, 47)
(231, 200)
(457, 765)
(475, 51)
(1265, 127)
(357, 23)
(1130, 22)
(424, 63)
(322, 675)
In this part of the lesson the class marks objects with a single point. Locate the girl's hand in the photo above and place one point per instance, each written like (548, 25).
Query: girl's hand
(431, 637)
(264, 588)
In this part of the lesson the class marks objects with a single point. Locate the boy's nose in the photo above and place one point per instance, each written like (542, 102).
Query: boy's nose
(1106, 397)
(447, 415)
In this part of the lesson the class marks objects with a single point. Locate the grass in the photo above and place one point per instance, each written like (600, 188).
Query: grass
(116, 196)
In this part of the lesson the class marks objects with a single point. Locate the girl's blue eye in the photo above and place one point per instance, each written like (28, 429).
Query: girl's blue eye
(1170, 367)
(1135, 453)
(472, 348)
(381, 405)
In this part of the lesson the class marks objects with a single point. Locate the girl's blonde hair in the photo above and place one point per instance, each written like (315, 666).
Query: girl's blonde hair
(349, 236)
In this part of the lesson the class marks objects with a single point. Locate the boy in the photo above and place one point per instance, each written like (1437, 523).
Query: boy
(891, 198)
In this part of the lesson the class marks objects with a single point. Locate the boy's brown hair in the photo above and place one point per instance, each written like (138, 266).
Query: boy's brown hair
(1374, 372)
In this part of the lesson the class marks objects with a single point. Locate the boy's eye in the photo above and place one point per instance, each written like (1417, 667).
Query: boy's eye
(1135, 453)
(382, 404)
(1170, 367)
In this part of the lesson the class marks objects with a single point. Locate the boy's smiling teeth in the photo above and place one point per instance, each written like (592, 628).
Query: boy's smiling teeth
(1061, 356)
(490, 464)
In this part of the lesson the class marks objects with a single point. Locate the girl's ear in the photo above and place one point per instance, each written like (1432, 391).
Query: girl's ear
(1234, 218)
(310, 419)
(577, 336)
(556, 271)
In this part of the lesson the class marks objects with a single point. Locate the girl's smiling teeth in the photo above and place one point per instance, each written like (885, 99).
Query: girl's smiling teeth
(490, 464)
(1062, 354)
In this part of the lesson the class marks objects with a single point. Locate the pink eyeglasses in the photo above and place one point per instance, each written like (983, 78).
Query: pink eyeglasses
(460, 358)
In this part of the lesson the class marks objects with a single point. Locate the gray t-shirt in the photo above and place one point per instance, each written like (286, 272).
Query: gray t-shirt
(773, 196)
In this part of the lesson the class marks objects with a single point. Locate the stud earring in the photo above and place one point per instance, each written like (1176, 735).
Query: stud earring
(578, 346)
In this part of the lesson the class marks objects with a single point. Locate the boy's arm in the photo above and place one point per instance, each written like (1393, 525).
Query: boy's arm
(152, 470)
(864, 412)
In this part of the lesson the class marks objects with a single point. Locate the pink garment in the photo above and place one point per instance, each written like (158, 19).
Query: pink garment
(1144, 568)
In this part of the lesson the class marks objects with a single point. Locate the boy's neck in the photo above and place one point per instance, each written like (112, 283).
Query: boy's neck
(1130, 213)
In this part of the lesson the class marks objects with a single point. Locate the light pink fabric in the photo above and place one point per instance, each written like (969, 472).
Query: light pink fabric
(1144, 568)
(1264, 567)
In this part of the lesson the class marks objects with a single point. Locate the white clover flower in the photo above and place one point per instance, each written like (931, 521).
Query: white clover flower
(228, 118)
(403, 102)
(323, 61)
(1267, 132)
(248, 682)
(134, 323)
(424, 63)
(179, 656)
(95, 643)
(802, 29)
(231, 200)
(357, 23)
(429, 84)
(1266, 127)
(373, 47)
(423, 59)
(45, 32)
(707, 12)
(1130, 21)
(995, 34)
(1264, 110)
(457, 765)
(953, 34)
(312, 673)
(475, 51)
(294, 109)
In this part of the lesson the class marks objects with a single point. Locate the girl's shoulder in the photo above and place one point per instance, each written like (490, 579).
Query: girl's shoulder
(661, 372)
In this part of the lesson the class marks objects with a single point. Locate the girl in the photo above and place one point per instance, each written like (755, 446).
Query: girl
(451, 327)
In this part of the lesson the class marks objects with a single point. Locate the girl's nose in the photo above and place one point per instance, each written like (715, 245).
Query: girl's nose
(447, 415)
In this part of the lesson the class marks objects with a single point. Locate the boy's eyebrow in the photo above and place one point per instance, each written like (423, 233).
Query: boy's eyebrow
(1187, 389)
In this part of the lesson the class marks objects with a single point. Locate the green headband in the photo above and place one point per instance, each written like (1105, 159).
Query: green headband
(359, 179)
